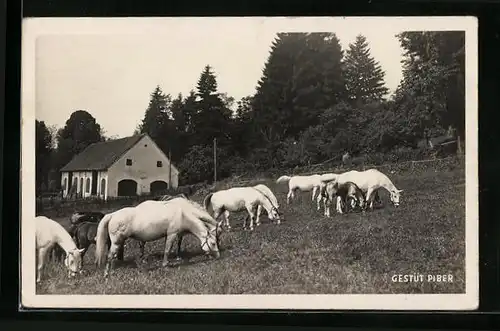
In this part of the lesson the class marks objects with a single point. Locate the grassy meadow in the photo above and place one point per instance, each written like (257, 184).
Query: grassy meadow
(307, 253)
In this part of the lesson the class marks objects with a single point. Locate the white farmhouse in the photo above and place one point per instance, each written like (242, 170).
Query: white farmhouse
(122, 167)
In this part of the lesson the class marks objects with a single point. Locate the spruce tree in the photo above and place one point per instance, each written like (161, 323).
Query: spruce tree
(302, 77)
(212, 119)
(364, 77)
(156, 114)
(158, 121)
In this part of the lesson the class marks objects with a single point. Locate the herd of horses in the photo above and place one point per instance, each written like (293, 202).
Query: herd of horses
(172, 217)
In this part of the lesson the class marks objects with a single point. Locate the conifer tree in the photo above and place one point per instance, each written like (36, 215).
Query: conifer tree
(43, 152)
(302, 77)
(212, 119)
(364, 77)
(158, 121)
(430, 96)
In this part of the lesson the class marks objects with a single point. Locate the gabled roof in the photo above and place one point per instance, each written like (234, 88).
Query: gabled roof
(101, 155)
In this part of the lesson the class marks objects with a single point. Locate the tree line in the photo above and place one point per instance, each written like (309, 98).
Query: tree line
(313, 102)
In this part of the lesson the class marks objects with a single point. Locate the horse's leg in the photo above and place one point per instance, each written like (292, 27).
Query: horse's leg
(369, 198)
(245, 222)
(319, 198)
(376, 199)
(289, 196)
(259, 210)
(42, 252)
(252, 216)
(112, 255)
(217, 213)
(142, 246)
(179, 243)
(169, 240)
(327, 203)
(339, 204)
(226, 218)
(120, 252)
(315, 188)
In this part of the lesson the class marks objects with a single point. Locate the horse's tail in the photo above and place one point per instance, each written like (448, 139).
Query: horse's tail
(283, 179)
(101, 240)
(207, 200)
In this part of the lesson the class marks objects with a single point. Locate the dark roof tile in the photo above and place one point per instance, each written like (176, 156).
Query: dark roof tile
(101, 155)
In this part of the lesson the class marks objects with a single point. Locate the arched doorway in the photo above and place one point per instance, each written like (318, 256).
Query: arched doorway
(127, 188)
(158, 186)
(103, 187)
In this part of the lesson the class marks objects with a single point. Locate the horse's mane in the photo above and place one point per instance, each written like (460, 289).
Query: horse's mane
(267, 192)
(265, 196)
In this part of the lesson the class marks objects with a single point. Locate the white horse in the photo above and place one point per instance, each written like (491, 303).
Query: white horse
(152, 220)
(50, 233)
(370, 181)
(184, 199)
(270, 195)
(240, 198)
(316, 183)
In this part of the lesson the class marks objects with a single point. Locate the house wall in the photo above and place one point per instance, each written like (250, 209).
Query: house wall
(84, 179)
(64, 183)
(144, 170)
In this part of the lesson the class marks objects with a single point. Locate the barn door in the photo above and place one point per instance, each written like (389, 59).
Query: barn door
(127, 188)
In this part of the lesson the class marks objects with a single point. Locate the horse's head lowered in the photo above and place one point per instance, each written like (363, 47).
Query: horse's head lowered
(274, 214)
(211, 243)
(73, 262)
(395, 196)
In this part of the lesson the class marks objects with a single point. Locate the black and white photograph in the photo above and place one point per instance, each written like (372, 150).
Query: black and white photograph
(250, 163)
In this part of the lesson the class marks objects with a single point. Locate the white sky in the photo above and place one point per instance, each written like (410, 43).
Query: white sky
(112, 75)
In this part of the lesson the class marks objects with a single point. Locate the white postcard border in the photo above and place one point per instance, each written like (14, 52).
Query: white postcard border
(34, 27)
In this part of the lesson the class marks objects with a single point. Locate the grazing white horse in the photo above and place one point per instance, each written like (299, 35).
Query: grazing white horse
(50, 233)
(270, 195)
(237, 199)
(152, 220)
(316, 183)
(369, 181)
(349, 194)
(211, 222)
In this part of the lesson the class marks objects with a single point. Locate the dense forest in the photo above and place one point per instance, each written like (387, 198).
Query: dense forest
(313, 103)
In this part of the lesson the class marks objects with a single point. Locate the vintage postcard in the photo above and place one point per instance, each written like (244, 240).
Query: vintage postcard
(315, 163)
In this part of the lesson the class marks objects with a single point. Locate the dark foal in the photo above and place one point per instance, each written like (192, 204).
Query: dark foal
(84, 236)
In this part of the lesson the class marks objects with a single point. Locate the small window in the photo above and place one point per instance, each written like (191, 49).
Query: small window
(129, 162)
(145, 145)
(87, 188)
(159, 164)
